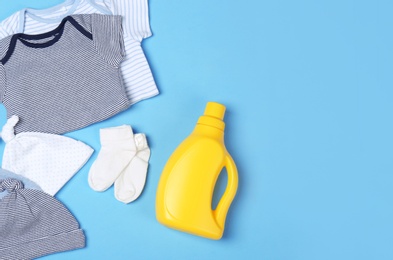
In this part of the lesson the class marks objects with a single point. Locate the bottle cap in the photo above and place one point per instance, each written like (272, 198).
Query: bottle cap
(213, 116)
(215, 110)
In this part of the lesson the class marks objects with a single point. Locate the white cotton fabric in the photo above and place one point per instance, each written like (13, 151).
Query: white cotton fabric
(117, 150)
(48, 160)
(129, 185)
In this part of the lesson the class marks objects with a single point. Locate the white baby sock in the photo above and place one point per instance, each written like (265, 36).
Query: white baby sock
(117, 150)
(130, 183)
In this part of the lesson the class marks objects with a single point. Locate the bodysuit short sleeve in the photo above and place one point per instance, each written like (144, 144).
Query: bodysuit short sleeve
(9, 26)
(135, 15)
(3, 31)
(107, 35)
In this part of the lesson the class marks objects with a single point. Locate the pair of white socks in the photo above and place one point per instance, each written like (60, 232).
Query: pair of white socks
(122, 161)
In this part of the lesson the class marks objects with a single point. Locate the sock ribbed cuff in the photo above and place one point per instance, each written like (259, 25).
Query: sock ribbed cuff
(116, 134)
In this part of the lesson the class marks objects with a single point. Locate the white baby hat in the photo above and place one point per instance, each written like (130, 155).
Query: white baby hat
(47, 159)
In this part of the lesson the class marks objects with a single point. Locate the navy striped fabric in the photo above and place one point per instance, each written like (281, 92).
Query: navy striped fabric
(34, 224)
(64, 79)
(137, 76)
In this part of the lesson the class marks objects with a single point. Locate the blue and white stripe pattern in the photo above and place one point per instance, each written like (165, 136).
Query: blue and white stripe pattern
(70, 80)
(137, 76)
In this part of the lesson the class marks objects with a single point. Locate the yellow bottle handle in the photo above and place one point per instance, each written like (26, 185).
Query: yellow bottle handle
(222, 208)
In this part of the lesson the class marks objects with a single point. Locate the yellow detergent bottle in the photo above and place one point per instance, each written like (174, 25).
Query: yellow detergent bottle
(185, 190)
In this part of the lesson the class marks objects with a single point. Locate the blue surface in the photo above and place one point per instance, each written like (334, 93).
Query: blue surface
(308, 90)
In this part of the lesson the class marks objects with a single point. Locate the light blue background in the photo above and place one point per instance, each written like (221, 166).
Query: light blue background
(308, 90)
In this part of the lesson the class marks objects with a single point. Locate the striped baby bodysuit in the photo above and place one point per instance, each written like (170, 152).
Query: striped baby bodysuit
(137, 76)
(64, 79)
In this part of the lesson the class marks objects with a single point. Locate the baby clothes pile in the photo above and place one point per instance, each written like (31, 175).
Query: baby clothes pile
(63, 69)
